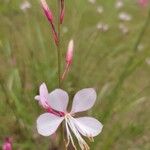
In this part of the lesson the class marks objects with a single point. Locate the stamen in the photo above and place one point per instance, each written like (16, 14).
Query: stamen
(81, 141)
(91, 139)
(69, 136)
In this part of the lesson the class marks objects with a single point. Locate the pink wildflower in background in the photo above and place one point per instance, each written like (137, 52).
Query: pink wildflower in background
(143, 3)
(48, 123)
(7, 144)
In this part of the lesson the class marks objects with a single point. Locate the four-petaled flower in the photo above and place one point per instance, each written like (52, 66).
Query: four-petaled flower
(57, 100)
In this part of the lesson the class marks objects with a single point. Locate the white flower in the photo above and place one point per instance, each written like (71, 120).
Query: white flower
(123, 16)
(123, 28)
(119, 4)
(64, 29)
(140, 47)
(48, 123)
(102, 27)
(100, 9)
(25, 5)
(92, 1)
(147, 60)
(6, 1)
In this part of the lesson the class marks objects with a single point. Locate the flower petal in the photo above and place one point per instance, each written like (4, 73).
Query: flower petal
(83, 100)
(88, 126)
(37, 97)
(43, 97)
(48, 123)
(58, 100)
(43, 92)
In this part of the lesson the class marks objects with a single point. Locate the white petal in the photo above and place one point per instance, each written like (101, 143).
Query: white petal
(37, 97)
(43, 92)
(48, 123)
(88, 126)
(83, 100)
(58, 100)
(43, 95)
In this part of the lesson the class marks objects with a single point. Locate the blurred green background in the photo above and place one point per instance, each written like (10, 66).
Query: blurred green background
(112, 54)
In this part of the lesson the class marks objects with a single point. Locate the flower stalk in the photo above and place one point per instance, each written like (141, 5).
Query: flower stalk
(61, 142)
(55, 103)
(58, 47)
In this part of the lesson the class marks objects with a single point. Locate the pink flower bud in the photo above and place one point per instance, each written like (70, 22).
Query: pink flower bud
(7, 144)
(47, 11)
(69, 58)
(62, 12)
(49, 16)
(69, 55)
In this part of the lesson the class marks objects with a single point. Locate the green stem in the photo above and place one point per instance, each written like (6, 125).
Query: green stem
(61, 142)
(58, 48)
(59, 65)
